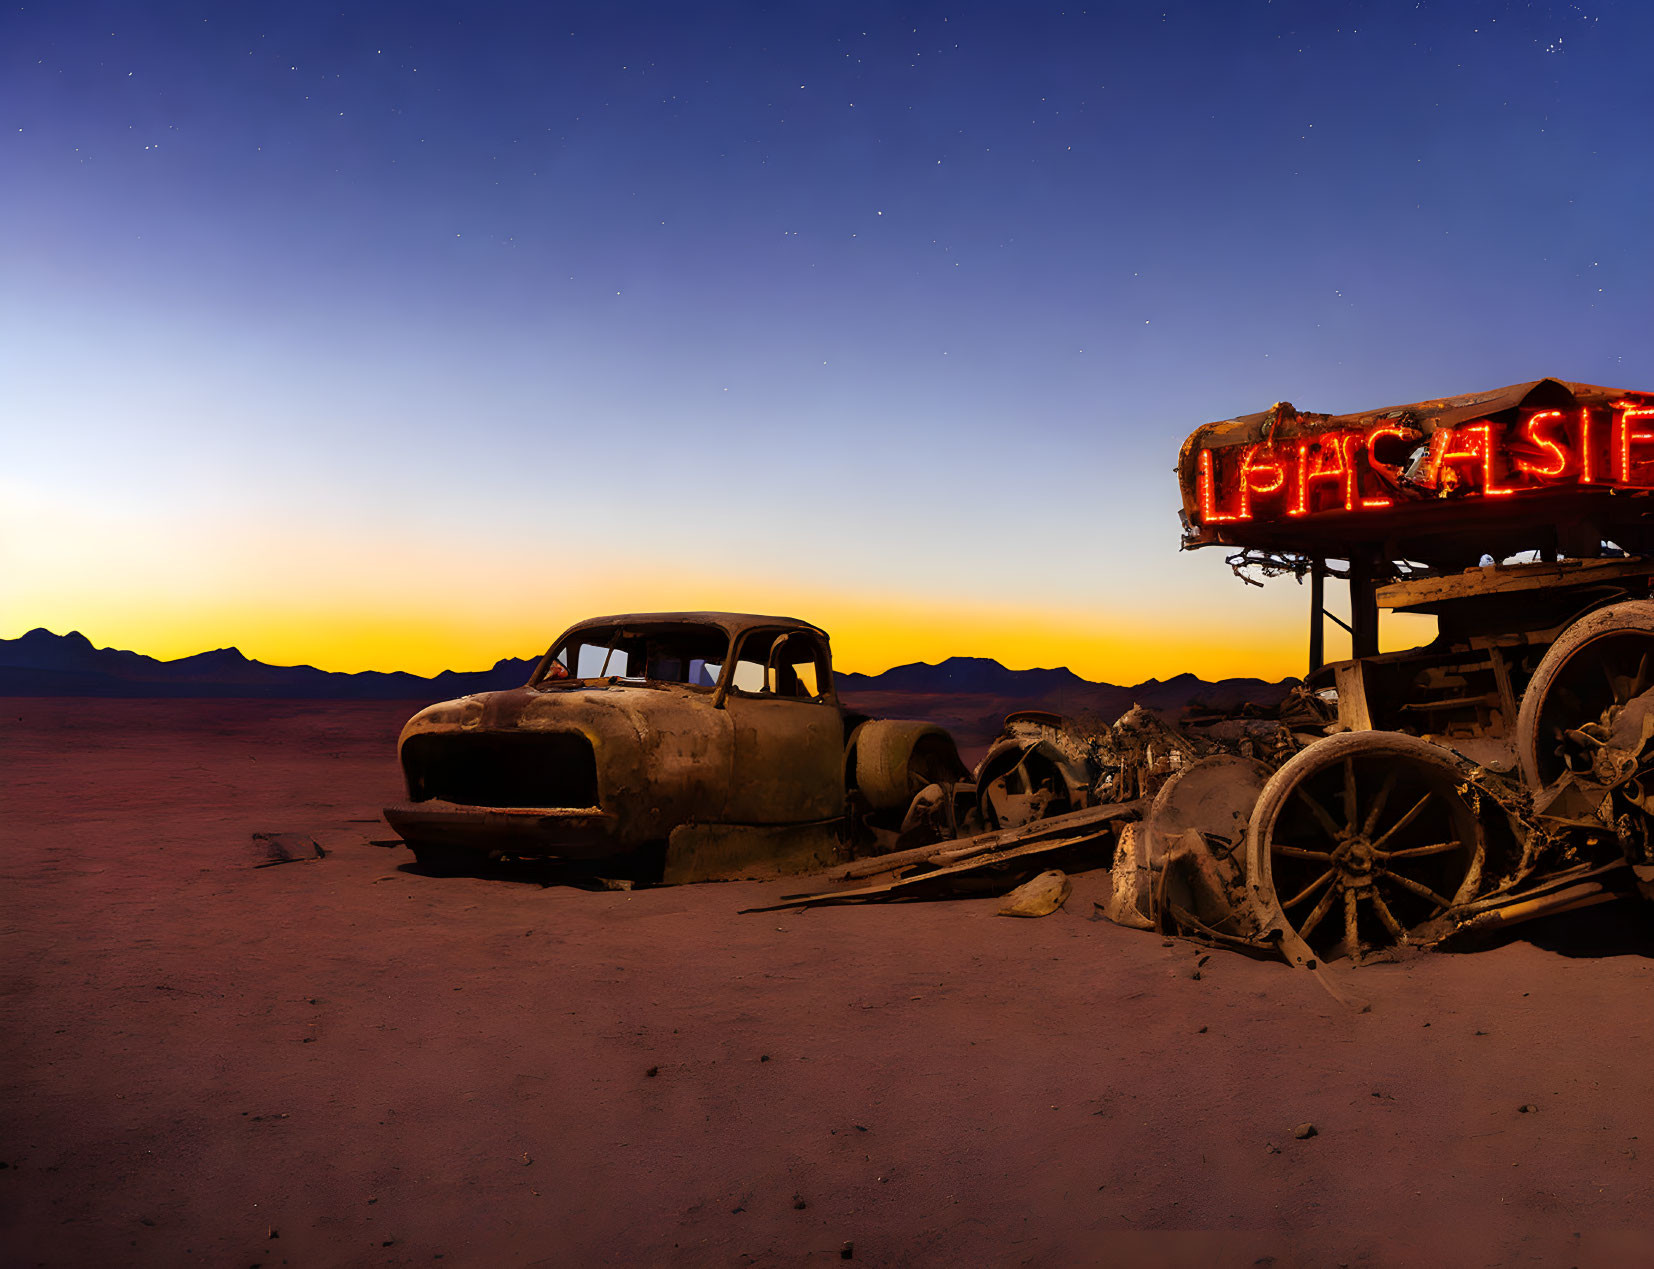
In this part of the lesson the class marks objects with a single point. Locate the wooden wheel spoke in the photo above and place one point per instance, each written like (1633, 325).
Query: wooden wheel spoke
(1404, 821)
(1320, 910)
(1384, 791)
(1352, 922)
(1298, 852)
(1417, 887)
(1308, 890)
(1388, 917)
(1415, 852)
(1327, 822)
(1351, 811)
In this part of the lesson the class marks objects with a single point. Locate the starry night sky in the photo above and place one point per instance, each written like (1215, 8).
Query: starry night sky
(402, 336)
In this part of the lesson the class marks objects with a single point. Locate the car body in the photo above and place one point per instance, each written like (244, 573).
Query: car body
(683, 746)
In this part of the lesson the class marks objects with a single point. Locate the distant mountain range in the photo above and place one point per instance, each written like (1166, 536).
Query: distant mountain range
(41, 663)
(964, 691)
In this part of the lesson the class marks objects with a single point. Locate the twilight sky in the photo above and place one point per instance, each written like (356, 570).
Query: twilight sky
(405, 335)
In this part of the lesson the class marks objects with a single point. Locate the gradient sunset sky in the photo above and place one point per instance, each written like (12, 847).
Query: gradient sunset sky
(401, 336)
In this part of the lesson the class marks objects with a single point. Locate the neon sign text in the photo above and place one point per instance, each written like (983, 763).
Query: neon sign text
(1341, 470)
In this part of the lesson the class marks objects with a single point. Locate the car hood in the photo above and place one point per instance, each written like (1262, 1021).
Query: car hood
(596, 710)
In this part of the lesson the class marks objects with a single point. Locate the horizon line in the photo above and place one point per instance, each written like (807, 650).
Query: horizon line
(72, 634)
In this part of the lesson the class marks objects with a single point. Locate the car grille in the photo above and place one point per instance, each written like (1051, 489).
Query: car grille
(513, 769)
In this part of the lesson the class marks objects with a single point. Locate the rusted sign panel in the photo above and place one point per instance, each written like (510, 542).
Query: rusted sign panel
(1438, 479)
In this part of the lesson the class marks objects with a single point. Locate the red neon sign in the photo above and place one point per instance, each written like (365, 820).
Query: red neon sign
(1626, 435)
(1338, 471)
(1556, 461)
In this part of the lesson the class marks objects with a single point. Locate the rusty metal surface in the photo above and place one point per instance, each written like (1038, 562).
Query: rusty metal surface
(1282, 833)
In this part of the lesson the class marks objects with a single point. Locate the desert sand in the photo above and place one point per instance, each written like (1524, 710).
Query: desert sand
(345, 1061)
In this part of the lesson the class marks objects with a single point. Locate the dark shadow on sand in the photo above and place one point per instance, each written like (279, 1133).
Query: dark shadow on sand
(1622, 928)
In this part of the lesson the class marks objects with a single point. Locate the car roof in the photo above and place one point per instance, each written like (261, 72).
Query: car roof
(731, 623)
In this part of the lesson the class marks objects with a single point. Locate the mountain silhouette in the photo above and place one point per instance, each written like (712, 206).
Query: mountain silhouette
(41, 663)
(976, 676)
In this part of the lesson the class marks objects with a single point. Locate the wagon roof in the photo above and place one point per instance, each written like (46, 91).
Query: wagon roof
(1282, 421)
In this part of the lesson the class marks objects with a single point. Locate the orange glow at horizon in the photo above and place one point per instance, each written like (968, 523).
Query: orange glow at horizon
(869, 634)
(866, 639)
(346, 597)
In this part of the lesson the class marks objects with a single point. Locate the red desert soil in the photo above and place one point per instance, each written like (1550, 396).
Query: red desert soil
(347, 1062)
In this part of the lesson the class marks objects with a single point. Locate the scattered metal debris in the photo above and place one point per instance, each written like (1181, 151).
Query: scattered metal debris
(1040, 897)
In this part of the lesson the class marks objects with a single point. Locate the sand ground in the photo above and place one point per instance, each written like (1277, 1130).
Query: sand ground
(348, 1062)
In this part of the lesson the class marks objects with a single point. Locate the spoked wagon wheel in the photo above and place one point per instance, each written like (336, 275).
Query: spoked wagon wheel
(1360, 839)
(1584, 684)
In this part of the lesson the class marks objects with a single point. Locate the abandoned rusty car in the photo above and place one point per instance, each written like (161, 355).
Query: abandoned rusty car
(669, 746)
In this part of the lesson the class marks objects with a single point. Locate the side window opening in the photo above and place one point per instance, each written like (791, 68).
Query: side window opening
(797, 671)
(787, 665)
(749, 674)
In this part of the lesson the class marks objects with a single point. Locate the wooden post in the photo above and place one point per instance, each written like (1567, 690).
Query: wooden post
(1363, 607)
(1317, 623)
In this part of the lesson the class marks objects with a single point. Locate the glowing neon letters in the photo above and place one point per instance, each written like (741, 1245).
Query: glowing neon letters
(1340, 470)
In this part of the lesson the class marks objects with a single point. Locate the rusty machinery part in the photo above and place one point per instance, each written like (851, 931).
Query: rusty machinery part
(1361, 838)
(1021, 780)
(892, 760)
(1196, 829)
(1583, 709)
(1077, 740)
(1215, 795)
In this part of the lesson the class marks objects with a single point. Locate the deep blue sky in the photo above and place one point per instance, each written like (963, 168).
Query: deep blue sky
(892, 317)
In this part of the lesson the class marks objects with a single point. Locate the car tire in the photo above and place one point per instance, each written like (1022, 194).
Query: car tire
(895, 759)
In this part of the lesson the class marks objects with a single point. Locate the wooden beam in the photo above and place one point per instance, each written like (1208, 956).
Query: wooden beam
(1507, 579)
(1317, 619)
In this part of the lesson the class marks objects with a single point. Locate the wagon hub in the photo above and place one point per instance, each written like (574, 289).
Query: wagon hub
(1354, 857)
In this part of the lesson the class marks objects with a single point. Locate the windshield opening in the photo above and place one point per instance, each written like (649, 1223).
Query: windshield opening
(692, 655)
